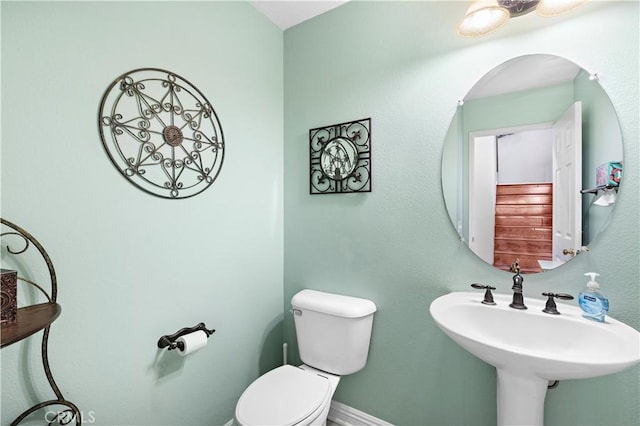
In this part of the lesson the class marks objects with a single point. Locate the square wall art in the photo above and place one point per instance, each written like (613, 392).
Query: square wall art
(340, 158)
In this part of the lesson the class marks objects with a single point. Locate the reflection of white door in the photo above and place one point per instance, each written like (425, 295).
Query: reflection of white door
(482, 196)
(567, 182)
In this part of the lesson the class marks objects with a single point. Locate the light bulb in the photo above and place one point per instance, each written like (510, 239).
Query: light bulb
(482, 18)
(557, 7)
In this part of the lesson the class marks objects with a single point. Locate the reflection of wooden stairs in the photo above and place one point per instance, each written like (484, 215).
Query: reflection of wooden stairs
(524, 215)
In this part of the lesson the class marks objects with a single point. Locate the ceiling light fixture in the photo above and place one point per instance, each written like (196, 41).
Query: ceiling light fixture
(557, 7)
(483, 17)
(486, 16)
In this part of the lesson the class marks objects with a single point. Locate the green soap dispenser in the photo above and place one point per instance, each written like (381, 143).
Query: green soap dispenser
(593, 303)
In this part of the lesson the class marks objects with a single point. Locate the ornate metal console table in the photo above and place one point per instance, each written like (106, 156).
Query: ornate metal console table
(31, 319)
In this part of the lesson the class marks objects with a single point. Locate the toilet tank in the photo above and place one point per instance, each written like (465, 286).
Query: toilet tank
(333, 331)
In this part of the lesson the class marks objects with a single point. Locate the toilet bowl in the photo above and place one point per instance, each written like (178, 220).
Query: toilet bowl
(333, 333)
(288, 396)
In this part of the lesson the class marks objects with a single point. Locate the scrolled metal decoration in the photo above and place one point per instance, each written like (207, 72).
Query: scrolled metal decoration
(161, 133)
(16, 241)
(340, 158)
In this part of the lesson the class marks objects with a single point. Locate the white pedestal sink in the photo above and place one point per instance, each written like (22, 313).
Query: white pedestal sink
(529, 348)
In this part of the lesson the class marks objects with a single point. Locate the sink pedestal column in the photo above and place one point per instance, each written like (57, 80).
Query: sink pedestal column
(520, 398)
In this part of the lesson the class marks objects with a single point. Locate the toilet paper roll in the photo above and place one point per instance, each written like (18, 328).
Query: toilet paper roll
(192, 342)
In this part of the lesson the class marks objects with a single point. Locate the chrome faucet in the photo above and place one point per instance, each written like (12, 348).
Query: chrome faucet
(518, 299)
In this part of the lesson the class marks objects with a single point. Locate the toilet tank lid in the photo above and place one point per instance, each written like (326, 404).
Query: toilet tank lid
(333, 304)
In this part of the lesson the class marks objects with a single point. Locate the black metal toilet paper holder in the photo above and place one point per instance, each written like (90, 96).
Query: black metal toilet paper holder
(170, 340)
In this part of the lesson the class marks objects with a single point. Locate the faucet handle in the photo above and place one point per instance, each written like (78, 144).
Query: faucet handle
(488, 296)
(550, 307)
(563, 296)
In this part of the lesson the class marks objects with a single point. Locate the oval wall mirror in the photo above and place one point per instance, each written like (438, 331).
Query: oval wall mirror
(532, 163)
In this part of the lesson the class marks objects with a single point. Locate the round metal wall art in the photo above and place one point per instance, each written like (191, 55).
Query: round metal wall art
(161, 133)
(338, 158)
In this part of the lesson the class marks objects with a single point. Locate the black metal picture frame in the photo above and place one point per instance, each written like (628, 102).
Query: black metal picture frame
(340, 158)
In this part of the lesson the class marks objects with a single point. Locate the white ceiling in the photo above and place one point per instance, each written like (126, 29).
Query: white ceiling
(286, 14)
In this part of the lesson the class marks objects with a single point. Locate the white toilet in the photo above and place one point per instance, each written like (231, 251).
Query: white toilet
(333, 334)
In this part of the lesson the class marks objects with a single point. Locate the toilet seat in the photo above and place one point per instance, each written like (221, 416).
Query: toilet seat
(284, 396)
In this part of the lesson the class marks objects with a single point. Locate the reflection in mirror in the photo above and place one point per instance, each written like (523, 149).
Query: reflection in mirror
(527, 159)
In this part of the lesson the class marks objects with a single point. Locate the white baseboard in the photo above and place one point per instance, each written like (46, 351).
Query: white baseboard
(344, 415)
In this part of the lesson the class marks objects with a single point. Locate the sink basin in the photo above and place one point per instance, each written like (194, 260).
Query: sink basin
(529, 348)
(553, 347)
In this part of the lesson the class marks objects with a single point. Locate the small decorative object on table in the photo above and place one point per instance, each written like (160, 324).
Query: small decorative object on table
(9, 296)
(340, 158)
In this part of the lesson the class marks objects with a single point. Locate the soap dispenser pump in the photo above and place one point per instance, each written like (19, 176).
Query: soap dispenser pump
(593, 303)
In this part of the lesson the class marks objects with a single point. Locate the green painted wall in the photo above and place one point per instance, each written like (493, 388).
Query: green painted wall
(124, 281)
(401, 64)
(132, 267)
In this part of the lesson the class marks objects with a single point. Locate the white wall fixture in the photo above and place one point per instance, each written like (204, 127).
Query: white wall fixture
(483, 17)
(557, 7)
(486, 16)
(559, 344)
